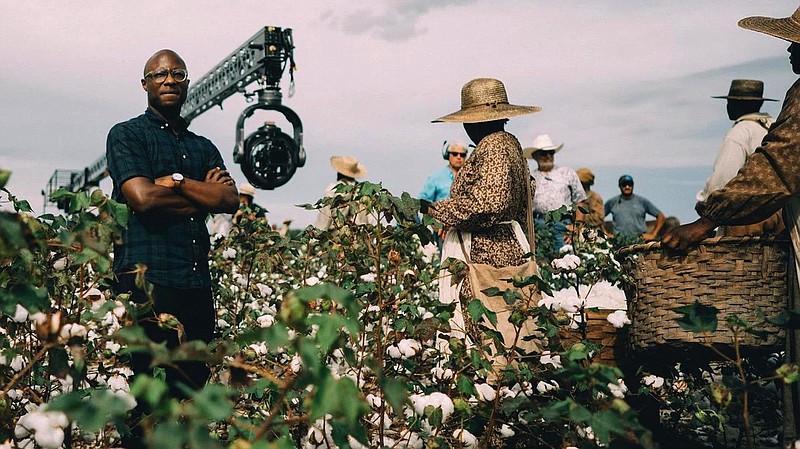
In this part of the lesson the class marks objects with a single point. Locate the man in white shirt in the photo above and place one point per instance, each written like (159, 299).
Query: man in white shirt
(555, 187)
(745, 98)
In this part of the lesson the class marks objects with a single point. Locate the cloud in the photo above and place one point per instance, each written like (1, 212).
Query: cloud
(392, 21)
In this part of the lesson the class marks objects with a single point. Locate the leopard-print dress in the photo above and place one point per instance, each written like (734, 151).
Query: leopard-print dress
(488, 190)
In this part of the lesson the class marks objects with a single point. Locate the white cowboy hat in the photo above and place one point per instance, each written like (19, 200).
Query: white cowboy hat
(348, 166)
(542, 142)
(485, 100)
(247, 189)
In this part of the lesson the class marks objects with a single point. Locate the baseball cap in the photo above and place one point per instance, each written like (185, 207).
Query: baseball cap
(625, 179)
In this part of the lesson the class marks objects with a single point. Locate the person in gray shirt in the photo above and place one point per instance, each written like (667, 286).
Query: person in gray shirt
(629, 211)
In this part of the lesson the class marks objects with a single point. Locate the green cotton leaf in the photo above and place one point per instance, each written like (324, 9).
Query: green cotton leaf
(786, 319)
(327, 399)
(168, 434)
(121, 213)
(465, 385)
(97, 198)
(92, 413)
(329, 330)
(578, 351)
(274, 336)
(79, 202)
(213, 402)
(29, 297)
(86, 255)
(605, 423)
(434, 415)
(555, 411)
(12, 236)
(697, 317)
(61, 194)
(579, 413)
(394, 391)
(492, 291)
(477, 310)
(149, 389)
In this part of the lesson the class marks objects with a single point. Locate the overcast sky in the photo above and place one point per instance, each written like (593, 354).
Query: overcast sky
(625, 85)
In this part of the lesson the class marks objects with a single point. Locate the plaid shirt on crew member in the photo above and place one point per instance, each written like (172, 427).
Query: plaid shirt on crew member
(175, 249)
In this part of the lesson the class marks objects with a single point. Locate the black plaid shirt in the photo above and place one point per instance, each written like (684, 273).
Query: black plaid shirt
(175, 249)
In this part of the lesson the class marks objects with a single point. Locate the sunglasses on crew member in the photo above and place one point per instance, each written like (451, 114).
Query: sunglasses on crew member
(454, 154)
(626, 184)
(160, 75)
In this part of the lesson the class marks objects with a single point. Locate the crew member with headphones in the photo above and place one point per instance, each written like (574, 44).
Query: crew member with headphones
(437, 187)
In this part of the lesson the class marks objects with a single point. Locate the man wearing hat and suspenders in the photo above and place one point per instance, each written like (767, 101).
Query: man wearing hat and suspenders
(769, 181)
(745, 98)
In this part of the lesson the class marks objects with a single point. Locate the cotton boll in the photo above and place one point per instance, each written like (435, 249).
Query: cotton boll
(654, 381)
(465, 437)
(60, 264)
(369, 277)
(313, 280)
(618, 318)
(20, 314)
(440, 373)
(552, 359)
(618, 389)
(297, 364)
(265, 290)
(544, 387)
(374, 401)
(229, 253)
(394, 352)
(506, 431)
(485, 392)
(73, 330)
(265, 321)
(408, 348)
(222, 324)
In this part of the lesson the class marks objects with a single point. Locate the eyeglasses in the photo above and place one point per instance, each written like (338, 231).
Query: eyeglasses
(160, 76)
(458, 154)
(626, 184)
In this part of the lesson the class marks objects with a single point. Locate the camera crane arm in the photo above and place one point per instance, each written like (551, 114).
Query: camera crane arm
(262, 59)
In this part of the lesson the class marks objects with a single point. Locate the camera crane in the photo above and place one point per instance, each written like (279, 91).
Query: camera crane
(268, 157)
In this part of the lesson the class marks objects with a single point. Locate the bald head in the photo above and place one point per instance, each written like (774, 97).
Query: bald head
(165, 93)
(152, 62)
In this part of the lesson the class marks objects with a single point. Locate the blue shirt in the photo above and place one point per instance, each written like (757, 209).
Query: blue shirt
(629, 214)
(437, 187)
(175, 249)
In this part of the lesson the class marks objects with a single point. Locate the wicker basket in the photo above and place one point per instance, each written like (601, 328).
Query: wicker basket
(737, 275)
(601, 332)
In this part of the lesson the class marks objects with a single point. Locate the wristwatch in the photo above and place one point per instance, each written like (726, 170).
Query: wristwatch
(177, 177)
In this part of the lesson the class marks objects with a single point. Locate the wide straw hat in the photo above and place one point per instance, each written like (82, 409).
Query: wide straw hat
(746, 90)
(348, 166)
(485, 100)
(787, 28)
(542, 142)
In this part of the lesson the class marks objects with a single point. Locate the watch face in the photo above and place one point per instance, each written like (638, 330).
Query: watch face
(177, 177)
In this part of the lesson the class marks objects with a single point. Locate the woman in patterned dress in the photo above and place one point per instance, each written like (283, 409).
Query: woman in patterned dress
(489, 198)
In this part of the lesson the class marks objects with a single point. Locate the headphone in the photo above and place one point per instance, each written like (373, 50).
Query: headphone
(446, 150)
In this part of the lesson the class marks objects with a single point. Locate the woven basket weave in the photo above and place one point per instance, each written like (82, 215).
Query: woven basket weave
(737, 275)
(601, 332)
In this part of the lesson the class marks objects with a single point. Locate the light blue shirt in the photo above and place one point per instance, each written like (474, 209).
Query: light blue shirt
(437, 187)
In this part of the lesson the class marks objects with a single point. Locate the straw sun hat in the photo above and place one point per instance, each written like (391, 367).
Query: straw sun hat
(746, 90)
(348, 166)
(542, 142)
(787, 28)
(485, 100)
